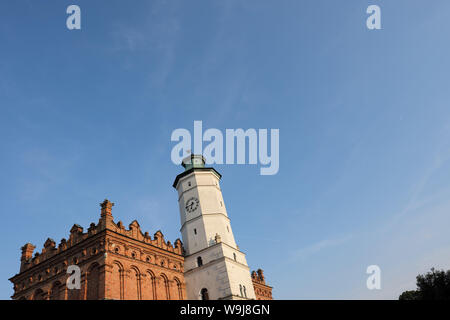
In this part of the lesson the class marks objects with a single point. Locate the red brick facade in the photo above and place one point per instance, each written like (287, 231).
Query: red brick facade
(115, 263)
(262, 291)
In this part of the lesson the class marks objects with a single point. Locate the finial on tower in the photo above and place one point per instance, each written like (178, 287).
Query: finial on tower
(106, 208)
(193, 161)
(27, 251)
(27, 254)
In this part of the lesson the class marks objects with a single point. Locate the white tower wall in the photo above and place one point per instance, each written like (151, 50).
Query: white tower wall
(207, 233)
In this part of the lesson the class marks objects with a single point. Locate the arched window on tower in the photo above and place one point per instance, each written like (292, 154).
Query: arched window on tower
(204, 294)
(240, 289)
(199, 261)
(234, 256)
(245, 291)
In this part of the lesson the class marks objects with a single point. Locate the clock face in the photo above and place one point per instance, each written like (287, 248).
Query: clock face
(192, 204)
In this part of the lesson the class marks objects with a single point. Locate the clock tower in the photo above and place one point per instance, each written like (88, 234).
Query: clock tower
(214, 266)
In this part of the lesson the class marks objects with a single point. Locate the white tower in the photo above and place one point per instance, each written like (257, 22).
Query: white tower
(214, 266)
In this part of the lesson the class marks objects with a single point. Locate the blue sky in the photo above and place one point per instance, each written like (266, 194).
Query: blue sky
(364, 123)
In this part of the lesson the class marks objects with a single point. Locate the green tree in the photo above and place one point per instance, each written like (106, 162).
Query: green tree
(409, 295)
(434, 285)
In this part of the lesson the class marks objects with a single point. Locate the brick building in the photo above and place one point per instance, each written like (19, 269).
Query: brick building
(262, 290)
(127, 264)
(115, 262)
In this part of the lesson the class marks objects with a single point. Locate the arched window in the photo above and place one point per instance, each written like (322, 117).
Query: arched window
(166, 286)
(199, 261)
(234, 256)
(151, 285)
(133, 285)
(93, 282)
(245, 291)
(179, 289)
(38, 295)
(117, 277)
(54, 293)
(240, 289)
(204, 294)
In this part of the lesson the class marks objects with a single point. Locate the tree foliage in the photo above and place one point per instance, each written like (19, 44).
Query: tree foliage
(434, 285)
